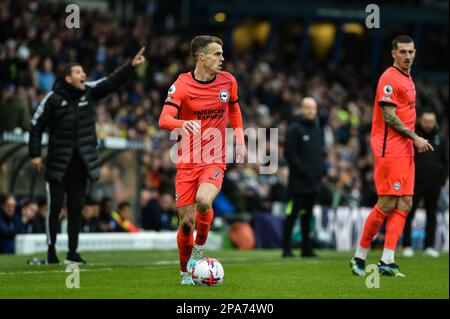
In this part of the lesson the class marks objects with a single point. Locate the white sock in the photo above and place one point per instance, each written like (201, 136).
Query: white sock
(361, 252)
(388, 256)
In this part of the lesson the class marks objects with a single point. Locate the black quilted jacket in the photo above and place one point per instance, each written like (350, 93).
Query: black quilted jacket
(69, 115)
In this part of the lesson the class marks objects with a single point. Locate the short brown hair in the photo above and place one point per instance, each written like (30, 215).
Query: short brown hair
(401, 39)
(201, 41)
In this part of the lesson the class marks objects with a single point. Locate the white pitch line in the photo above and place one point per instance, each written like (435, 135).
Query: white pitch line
(49, 271)
(149, 265)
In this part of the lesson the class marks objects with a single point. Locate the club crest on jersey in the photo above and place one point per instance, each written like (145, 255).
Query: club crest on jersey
(172, 89)
(224, 96)
(388, 90)
(397, 186)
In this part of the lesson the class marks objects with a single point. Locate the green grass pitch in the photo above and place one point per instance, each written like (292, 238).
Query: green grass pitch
(248, 275)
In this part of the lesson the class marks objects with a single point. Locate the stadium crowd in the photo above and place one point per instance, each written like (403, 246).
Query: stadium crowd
(35, 45)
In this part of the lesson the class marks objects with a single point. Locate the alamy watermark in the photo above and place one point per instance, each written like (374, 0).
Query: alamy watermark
(373, 279)
(73, 279)
(73, 19)
(373, 19)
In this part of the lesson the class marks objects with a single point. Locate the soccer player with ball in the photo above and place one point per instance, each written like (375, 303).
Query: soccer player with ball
(198, 105)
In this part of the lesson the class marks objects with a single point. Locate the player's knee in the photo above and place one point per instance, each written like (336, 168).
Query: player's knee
(187, 225)
(405, 204)
(203, 204)
(386, 208)
(203, 208)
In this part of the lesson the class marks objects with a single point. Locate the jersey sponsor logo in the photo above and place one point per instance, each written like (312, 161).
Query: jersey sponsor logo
(388, 90)
(209, 114)
(397, 186)
(306, 138)
(224, 96)
(386, 98)
(83, 103)
(64, 103)
(172, 89)
(169, 98)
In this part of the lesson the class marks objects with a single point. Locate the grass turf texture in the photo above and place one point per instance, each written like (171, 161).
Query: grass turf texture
(248, 274)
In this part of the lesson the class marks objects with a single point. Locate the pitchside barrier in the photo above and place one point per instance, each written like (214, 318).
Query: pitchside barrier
(37, 243)
(345, 225)
(341, 228)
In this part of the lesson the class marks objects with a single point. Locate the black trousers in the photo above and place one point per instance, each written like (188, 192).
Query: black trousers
(430, 197)
(303, 204)
(74, 185)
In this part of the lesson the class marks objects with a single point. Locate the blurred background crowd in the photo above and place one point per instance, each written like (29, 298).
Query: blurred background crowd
(276, 64)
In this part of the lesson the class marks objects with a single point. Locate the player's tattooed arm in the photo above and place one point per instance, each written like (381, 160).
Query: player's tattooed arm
(391, 119)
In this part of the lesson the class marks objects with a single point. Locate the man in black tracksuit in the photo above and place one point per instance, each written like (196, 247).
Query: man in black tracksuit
(303, 151)
(69, 114)
(431, 175)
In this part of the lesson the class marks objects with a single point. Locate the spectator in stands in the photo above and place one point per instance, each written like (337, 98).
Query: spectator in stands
(46, 77)
(159, 213)
(14, 112)
(11, 223)
(232, 188)
(89, 217)
(28, 212)
(122, 218)
(106, 222)
(431, 176)
(304, 154)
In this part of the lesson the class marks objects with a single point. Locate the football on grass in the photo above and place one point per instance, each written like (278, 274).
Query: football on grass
(208, 272)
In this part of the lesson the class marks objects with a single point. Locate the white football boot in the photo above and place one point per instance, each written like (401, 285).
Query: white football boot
(431, 252)
(186, 279)
(408, 252)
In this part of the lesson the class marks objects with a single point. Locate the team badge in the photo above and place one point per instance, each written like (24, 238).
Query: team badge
(397, 186)
(172, 89)
(388, 90)
(224, 96)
